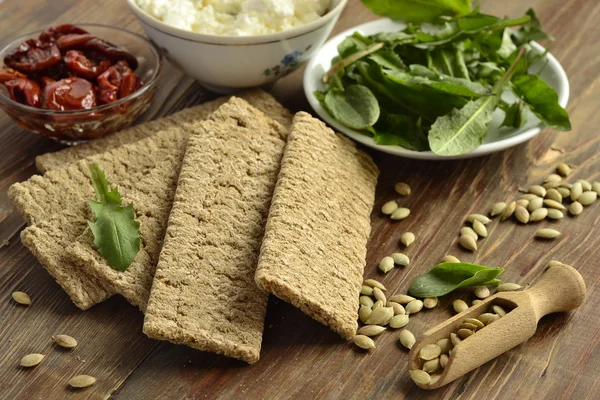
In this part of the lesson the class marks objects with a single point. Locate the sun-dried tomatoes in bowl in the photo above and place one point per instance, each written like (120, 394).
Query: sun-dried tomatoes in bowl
(78, 82)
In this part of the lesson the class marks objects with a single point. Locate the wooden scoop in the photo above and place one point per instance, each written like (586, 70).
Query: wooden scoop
(560, 289)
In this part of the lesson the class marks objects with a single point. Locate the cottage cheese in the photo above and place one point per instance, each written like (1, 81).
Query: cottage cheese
(235, 17)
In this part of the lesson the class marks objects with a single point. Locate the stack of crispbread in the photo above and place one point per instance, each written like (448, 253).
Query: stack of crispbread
(201, 182)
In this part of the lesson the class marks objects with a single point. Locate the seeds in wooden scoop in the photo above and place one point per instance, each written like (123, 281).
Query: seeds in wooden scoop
(444, 360)
(377, 304)
(371, 330)
(459, 306)
(474, 321)
(31, 360)
(366, 290)
(402, 189)
(430, 352)
(576, 208)
(431, 365)
(444, 344)
(499, 310)
(482, 292)
(479, 217)
(386, 265)
(537, 190)
(488, 318)
(576, 191)
(563, 169)
(455, 339)
(389, 207)
(407, 339)
(379, 295)
(475, 302)
(547, 233)
(535, 204)
(588, 198)
(82, 381)
(399, 321)
(479, 228)
(414, 307)
(65, 341)
(373, 283)
(380, 316)
(420, 377)
(508, 287)
(464, 333)
(401, 298)
(400, 213)
(21, 298)
(509, 210)
(498, 208)
(466, 325)
(553, 194)
(468, 242)
(538, 215)
(553, 213)
(363, 313)
(407, 238)
(430, 302)
(400, 259)
(366, 301)
(467, 231)
(397, 307)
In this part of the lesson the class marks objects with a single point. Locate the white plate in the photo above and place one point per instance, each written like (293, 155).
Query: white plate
(497, 138)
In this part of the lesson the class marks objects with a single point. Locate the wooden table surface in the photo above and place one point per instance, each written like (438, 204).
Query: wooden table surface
(300, 358)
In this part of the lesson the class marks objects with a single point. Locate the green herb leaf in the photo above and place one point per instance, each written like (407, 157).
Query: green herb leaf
(515, 115)
(446, 277)
(356, 107)
(531, 31)
(417, 10)
(116, 232)
(542, 100)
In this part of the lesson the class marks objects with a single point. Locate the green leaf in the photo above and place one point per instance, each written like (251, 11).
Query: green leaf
(417, 10)
(507, 47)
(462, 130)
(542, 100)
(515, 115)
(446, 277)
(356, 106)
(422, 76)
(116, 232)
(531, 31)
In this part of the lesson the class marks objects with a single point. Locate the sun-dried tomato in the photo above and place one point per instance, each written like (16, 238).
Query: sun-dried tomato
(32, 56)
(7, 74)
(79, 64)
(112, 52)
(73, 41)
(69, 94)
(55, 32)
(24, 91)
(117, 82)
(45, 81)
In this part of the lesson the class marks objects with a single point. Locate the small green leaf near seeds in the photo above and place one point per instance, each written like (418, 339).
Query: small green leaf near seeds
(547, 233)
(82, 381)
(31, 360)
(21, 298)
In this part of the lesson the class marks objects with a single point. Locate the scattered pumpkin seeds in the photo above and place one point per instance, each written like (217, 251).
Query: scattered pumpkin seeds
(547, 233)
(451, 259)
(377, 304)
(420, 377)
(31, 360)
(414, 307)
(523, 203)
(499, 310)
(554, 204)
(538, 190)
(508, 287)
(468, 231)
(398, 308)
(539, 214)
(430, 302)
(482, 292)
(588, 198)
(553, 194)
(553, 178)
(379, 295)
(498, 208)
(509, 210)
(468, 242)
(553, 213)
(479, 217)
(371, 330)
(373, 283)
(585, 185)
(386, 265)
(65, 341)
(479, 228)
(576, 208)
(389, 207)
(407, 238)
(522, 214)
(528, 196)
(363, 313)
(576, 191)
(401, 298)
(400, 259)
(82, 381)
(563, 169)
(364, 342)
(564, 192)
(399, 321)
(380, 316)
(429, 352)
(366, 290)
(554, 263)
(431, 365)
(459, 306)
(400, 213)
(596, 187)
(535, 204)
(366, 301)
(407, 339)
(21, 298)
(402, 189)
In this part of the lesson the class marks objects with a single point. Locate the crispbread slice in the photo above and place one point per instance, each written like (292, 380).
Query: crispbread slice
(258, 98)
(314, 248)
(203, 294)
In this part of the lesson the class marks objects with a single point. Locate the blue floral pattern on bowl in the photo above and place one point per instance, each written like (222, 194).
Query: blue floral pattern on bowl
(288, 64)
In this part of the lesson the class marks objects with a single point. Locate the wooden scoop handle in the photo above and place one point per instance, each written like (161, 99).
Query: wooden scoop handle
(561, 288)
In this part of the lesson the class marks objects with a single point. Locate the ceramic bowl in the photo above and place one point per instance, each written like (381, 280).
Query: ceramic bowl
(228, 63)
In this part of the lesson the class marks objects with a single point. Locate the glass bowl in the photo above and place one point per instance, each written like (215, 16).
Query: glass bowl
(77, 125)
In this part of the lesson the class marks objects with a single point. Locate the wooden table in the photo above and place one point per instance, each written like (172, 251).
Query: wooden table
(300, 358)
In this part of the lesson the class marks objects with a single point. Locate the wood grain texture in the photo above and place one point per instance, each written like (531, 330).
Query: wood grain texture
(302, 359)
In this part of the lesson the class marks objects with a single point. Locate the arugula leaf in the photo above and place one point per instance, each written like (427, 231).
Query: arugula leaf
(422, 76)
(542, 100)
(116, 232)
(507, 47)
(531, 31)
(417, 10)
(446, 277)
(515, 115)
(356, 106)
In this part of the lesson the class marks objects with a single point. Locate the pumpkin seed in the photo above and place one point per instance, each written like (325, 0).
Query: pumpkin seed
(509, 210)
(523, 203)
(379, 295)
(596, 187)
(554, 204)
(373, 283)
(377, 304)
(371, 330)
(363, 313)
(65, 341)
(553, 178)
(21, 298)
(455, 339)
(420, 377)
(576, 191)
(399, 321)
(429, 352)
(479, 217)
(31, 360)
(538, 214)
(430, 302)
(576, 208)
(468, 242)
(553, 194)
(407, 339)
(537, 190)
(467, 231)
(82, 381)
(508, 287)
(400, 213)
(407, 238)
(498, 208)
(474, 321)
(475, 302)
(563, 169)
(464, 333)
(479, 228)
(402, 189)
(366, 290)
(386, 265)
(499, 310)
(554, 263)
(566, 185)
(550, 185)
(547, 233)
(588, 198)
(522, 214)
(585, 185)
(445, 345)
(364, 342)
(414, 307)
(366, 301)
(398, 308)
(389, 207)
(443, 360)
(431, 365)
(564, 192)
(450, 259)
(553, 213)
(400, 259)
(468, 326)
(535, 204)
(401, 298)
(459, 306)
(488, 318)
(482, 292)
(528, 197)
(380, 316)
